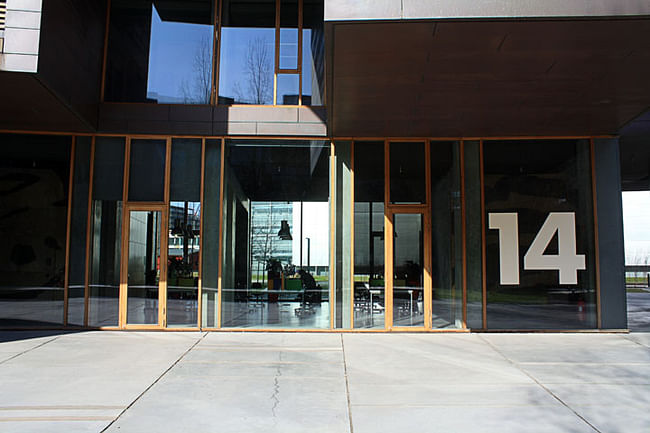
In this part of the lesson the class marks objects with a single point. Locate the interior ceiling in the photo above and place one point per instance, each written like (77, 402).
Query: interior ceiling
(487, 78)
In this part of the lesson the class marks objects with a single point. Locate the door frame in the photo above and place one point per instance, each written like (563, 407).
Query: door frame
(390, 210)
(162, 259)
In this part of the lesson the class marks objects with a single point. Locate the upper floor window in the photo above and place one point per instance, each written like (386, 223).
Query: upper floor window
(168, 51)
(160, 51)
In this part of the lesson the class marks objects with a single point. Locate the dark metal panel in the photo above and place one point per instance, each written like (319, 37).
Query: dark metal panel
(488, 78)
(71, 52)
(28, 105)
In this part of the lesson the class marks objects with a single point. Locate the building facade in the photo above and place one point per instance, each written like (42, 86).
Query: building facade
(321, 165)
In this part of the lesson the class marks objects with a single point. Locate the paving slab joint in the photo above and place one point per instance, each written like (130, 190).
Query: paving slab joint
(155, 382)
(29, 350)
(518, 367)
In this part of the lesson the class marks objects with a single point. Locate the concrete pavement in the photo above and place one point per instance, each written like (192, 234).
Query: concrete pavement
(298, 382)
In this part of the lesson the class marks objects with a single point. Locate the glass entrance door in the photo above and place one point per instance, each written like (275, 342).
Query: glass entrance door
(407, 295)
(144, 263)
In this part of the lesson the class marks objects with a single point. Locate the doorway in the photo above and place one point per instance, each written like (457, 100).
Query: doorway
(144, 267)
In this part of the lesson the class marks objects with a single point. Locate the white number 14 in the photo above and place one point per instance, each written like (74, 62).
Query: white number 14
(566, 262)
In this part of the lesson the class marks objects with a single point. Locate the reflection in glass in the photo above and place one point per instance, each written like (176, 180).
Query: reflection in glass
(210, 233)
(147, 170)
(474, 249)
(313, 53)
(288, 89)
(288, 55)
(160, 51)
(143, 267)
(78, 226)
(534, 178)
(183, 263)
(106, 232)
(34, 172)
(408, 281)
(446, 236)
(184, 233)
(369, 234)
(407, 168)
(276, 234)
(246, 64)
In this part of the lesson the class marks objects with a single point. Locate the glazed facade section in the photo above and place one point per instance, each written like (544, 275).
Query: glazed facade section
(144, 232)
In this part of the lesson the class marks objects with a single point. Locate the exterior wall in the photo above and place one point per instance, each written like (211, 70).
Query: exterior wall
(70, 59)
(212, 120)
(344, 10)
(22, 36)
(339, 295)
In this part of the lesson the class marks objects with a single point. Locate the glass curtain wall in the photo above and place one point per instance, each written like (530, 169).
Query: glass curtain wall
(78, 232)
(184, 246)
(34, 180)
(160, 51)
(106, 231)
(446, 236)
(369, 284)
(210, 234)
(408, 186)
(539, 235)
(474, 235)
(313, 53)
(275, 263)
(264, 60)
(288, 53)
(247, 52)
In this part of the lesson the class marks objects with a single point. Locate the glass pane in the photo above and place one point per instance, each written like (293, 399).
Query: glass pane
(78, 225)
(288, 89)
(106, 220)
(183, 263)
(313, 53)
(185, 182)
(408, 281)
(184, 233)
(407, 168)
(276, 234)
(147, 170)
(288, 55)
(143, 267)
(474, 235)
(246, 67)
(343, 214)
(446, 236)
(34, 178)
(210, 235)
(160, 51)
(539, 183)
(369, 234)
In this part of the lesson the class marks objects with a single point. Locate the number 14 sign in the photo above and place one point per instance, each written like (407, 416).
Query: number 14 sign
(566, 262)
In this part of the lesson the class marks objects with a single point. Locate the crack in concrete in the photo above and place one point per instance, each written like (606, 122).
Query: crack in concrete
(276, 387)
(347, 384)
(626, 337)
